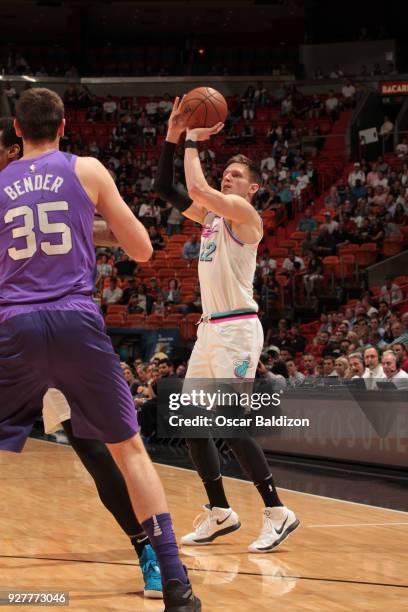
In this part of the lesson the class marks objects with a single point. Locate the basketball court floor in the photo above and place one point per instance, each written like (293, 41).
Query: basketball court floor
(56, 536)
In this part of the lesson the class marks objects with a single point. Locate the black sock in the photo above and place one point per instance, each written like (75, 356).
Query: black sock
(139, 542)
(266, 489)
(216, 493)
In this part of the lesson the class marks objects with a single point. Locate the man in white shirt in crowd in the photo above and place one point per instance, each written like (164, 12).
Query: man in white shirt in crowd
(109, 108)
(332, 105)
(292, 262)
(266, 263)
(268, 162)
(348, 92)
(151, 108)
(166, 104)
(296, 378)
(113, 293)
(374, 369)
(356, 174)
(392, 371)
(330, 223)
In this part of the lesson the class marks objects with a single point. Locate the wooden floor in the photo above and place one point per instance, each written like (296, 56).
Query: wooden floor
(55, 535)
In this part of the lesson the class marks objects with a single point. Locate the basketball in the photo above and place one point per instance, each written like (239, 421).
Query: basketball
(203, 107)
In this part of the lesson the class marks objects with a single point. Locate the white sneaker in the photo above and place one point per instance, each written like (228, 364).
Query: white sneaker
(211, 524)
(278, 523)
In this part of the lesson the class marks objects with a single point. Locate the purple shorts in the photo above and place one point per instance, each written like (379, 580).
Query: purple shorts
(68, 350)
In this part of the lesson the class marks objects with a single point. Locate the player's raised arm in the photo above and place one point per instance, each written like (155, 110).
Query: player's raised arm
(164, 182)
(233, 206)
(101, 189)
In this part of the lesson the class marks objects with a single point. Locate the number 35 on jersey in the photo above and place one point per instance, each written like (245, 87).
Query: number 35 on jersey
(38, 217)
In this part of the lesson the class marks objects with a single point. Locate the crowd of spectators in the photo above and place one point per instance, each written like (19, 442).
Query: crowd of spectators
(365, 341)
(336, 72)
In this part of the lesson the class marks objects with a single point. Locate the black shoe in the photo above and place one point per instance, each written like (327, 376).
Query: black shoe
(179, 597)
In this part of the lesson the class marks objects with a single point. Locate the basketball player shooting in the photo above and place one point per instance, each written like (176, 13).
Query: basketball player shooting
(47, 262)
(230, 336)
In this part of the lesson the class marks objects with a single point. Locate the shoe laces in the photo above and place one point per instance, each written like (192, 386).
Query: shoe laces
(202, 522)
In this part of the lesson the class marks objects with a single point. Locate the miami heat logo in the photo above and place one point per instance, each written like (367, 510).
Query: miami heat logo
(241, 367)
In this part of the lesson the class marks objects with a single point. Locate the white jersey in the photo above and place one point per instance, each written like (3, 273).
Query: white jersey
(226, 268)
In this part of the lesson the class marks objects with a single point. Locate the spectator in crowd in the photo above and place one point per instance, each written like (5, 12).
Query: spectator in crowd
(392, 370)
(332, 106)
(307, 224)
(401, 352)
(357, 366)
(174, 221)
(173, 295)
(191, 248)
(109, 109)
(402, 148)
(154, 289)
(349, 94)
(386, 133)
(391, 292)
(149, 214)
(384, 312)
(328, 367)
(373, 369)
(330, 223)
(267, 162)
(293, 263)
(297, 341)
(357, 174)
(336, 73)
(130, 290)
(266, 263)
(325, 243)
(308, 365)
(313, 277)
(125, 267)
(342, 367)
(295, 378)
(103, 268)
(113, 293)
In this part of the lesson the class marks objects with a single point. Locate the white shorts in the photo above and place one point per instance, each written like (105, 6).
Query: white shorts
(227, 349)
(55, 410)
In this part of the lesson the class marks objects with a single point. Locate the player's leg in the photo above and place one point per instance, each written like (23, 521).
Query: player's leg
(113, 493)
(241, 342)
(218, 518)
(88, 372)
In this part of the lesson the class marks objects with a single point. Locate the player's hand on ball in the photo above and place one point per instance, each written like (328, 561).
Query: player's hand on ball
(199, 134)
(176, 125)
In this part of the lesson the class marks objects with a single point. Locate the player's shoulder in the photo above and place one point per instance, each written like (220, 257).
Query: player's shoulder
(90, 163)
(87, 168)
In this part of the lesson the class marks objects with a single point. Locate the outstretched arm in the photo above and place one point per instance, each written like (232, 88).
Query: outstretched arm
(164, 183)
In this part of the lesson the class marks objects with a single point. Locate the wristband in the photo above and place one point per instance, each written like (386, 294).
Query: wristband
(191, 144)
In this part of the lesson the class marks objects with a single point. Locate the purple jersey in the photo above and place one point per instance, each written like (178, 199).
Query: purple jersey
(46, 246)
